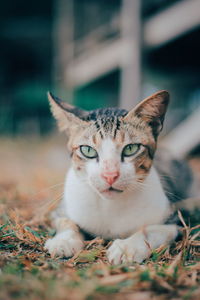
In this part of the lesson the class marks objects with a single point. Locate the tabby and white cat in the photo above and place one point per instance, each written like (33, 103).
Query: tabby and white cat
(113, 188)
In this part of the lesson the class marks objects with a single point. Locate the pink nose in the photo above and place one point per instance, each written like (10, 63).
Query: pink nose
(110, 178)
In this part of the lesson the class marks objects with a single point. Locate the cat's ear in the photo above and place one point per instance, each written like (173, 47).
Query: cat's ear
(67, 115)
(151, 110)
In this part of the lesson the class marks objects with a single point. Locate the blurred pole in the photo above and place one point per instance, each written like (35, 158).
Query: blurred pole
(130, 71)
(176, 141)
(63, 37)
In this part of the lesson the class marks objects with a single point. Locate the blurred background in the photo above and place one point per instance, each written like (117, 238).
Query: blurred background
(96, 53)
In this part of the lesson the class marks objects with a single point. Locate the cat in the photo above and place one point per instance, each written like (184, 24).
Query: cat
(116, 187)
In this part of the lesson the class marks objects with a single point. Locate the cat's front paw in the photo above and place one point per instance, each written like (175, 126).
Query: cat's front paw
(133, 249)
(66, 243)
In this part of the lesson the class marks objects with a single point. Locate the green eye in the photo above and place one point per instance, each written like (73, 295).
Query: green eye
(130, 149)
(88, 151)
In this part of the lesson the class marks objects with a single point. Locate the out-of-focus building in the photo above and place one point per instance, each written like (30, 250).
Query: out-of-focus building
(99, 53)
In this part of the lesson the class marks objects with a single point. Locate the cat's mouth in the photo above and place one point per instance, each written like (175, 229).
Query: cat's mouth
(112, 189)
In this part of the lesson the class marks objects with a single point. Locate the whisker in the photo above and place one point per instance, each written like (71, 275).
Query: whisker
(41, 212)
(52, 202)
(46, 189)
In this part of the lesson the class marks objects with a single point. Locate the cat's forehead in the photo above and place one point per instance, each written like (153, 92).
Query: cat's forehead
(108, 126)
(105, 114)
(115, 130)
(109, 123)
(104, 123)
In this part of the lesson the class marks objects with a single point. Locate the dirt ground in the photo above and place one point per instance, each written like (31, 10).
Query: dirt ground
(31, 183)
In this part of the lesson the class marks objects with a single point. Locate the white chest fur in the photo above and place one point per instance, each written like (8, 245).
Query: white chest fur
(115, 218)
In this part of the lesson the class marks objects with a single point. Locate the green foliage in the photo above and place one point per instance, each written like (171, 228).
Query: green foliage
(145, 276)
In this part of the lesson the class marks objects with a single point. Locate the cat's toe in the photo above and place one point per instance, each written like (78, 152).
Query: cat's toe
(128, 251)
(64, 244)
(115, 253)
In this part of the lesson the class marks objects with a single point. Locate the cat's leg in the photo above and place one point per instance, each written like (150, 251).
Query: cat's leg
(139, 246)
(67, 240)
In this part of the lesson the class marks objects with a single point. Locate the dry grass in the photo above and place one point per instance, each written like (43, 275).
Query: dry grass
(28, 169)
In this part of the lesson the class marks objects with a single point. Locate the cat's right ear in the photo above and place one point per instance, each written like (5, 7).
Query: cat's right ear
(67, 115)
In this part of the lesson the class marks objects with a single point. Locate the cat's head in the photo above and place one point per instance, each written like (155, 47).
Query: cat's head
(111, 149)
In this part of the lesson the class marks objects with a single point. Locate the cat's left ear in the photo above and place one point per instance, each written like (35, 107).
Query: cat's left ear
(151, 110)
(67, 115)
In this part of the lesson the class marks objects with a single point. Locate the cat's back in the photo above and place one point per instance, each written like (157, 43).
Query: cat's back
(175, 175)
